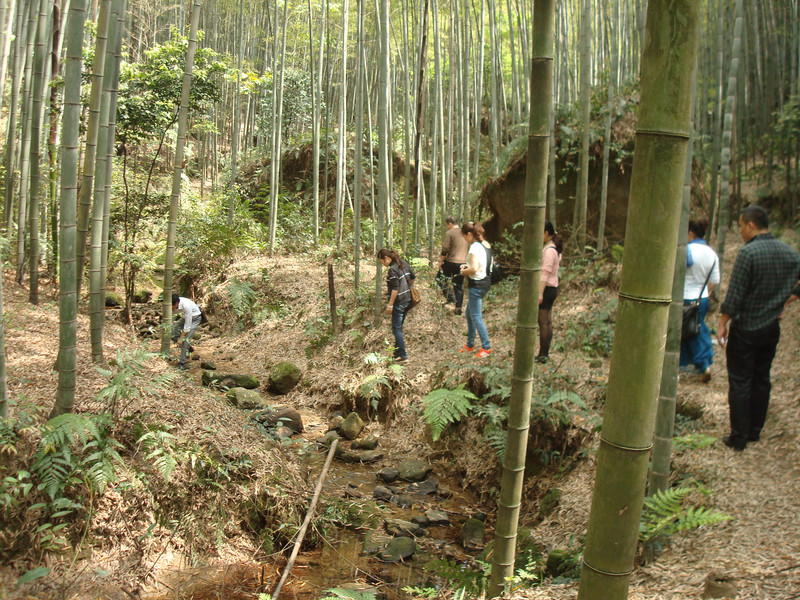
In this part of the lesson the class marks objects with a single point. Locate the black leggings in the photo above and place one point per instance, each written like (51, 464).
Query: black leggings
(545, 319)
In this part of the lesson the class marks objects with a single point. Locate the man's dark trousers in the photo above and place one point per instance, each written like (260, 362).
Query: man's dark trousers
(452, 271)
(749, 355)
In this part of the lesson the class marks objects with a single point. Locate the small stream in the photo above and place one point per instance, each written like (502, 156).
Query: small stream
(340, 559)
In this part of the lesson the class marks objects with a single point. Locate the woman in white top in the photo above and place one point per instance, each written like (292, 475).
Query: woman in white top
(701, 263)
(476, 275)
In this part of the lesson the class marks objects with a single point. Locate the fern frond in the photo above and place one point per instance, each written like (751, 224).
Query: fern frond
(242, 295)
(442, 407)
(664, 514)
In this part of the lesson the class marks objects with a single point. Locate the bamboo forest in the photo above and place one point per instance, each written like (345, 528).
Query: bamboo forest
(399, 300)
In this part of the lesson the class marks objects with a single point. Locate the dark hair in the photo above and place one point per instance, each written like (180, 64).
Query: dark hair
(757, 216)
(175, 299)
(384, 252)
(556, 239)
(452, 220)
(698, 228)
(476, 229)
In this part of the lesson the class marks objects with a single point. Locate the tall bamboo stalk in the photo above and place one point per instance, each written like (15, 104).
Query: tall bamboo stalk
(528, 309)
(68, 291)
(668, 64)
(175, 198)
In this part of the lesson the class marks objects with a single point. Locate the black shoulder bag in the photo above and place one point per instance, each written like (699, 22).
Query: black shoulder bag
(691, 313)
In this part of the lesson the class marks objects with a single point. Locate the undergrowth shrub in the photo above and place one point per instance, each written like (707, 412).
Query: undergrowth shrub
(590, 331)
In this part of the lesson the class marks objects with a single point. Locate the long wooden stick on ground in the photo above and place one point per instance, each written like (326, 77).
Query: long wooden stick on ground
(302, 533)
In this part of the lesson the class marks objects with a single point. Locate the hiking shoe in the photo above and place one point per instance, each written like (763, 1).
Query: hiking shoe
(737, 446)
(467, 349)
(483, 353)
(400, 358)
(182, 367)
(705, 376)
(542, 359)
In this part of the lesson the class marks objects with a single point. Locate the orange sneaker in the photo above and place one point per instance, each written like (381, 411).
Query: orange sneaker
(483, 353)
(467, 349)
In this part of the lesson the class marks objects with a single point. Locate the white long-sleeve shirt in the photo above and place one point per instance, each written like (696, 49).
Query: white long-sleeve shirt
(190, 310)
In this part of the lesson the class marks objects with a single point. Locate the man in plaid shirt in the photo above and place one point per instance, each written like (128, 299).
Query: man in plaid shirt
(763, 282)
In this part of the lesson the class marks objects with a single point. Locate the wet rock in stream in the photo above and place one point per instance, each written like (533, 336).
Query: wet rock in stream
(359, 456)
(352, 426)
(400, 527)
(368, 443)
(399, 549)
(388, 474)
(437, 517)
(424, 488)
(382, 493)
(414, 470)
(375, 541)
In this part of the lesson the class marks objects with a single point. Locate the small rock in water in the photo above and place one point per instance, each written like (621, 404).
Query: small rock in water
(375, 541)
(437, 517)
(402, 501)
(425, 488)
(388, 474)
(368, 443)
(414, 470)
(382, 493)
(399, 549)
(403, 528)
(420, 520)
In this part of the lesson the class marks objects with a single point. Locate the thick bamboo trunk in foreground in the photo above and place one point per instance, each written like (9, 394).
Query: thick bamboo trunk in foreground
(668, 65)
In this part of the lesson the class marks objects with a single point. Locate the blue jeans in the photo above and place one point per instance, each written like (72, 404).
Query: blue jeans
(475, 318)
(399, 313)
(698, 351)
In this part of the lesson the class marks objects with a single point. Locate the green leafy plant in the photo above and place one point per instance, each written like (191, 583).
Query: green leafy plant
(122, 388)
(421, 592)
(74, 448)
(242, 296)
(159, 445)
(494, 433)
(559, 408)
(694, 441)
(474, 579)
(591, 331)
(666, 513)
(443, 406)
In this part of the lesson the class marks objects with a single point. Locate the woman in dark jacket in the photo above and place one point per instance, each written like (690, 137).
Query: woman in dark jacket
(398, 283)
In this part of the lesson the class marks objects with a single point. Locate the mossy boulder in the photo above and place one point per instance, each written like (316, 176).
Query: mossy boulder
(399, 549)
(368, 443)
(352, 426)
(142, 296)
(549, 502)
(471, 535)
(113, 299)
(414, 470)
(245, 399)
(229, 380)
(283, 377)
(400, 527)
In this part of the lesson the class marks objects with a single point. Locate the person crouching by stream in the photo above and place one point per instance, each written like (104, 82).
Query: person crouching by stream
(398, 284)
(184, 328)
(475, 273)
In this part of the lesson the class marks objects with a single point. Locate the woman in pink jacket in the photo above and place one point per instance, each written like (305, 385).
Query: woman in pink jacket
(548, 289)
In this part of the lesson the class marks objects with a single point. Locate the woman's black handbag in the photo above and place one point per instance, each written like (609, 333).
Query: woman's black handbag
(691, 313)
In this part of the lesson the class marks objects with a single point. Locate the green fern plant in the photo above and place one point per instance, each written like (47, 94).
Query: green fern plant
(122, 388)
(665, 513)
(494, 433)
(75, 447)
(159, 446)
(242, 296)
(371, 388)
(444, 406)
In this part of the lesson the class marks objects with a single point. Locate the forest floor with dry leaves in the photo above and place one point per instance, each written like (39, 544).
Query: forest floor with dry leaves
(760, 487)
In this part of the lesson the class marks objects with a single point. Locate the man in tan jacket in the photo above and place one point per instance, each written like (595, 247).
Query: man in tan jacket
(453, 255)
